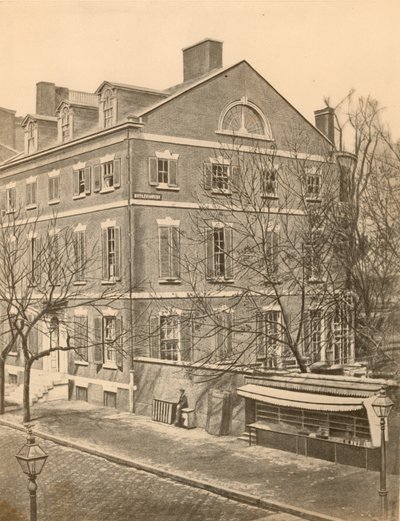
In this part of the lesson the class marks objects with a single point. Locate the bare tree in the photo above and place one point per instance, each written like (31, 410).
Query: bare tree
(41, 266)
(260, 258)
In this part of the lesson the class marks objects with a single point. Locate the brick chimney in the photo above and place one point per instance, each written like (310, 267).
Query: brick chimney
(325, 122)
(201, 58)
(48, 97)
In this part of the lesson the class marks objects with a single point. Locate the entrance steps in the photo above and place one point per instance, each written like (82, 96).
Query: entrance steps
(245, 436)
(43, 388)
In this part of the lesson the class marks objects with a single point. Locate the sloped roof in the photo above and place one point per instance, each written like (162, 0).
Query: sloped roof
(125, 86)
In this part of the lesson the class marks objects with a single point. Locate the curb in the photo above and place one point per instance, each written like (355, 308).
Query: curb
(241, 497)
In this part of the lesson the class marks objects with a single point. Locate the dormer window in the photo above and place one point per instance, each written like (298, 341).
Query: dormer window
(243, 118)
(108, 108)
(31, 137)
(65, 125)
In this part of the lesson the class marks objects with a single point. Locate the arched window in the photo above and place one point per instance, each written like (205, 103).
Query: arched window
(65, 125)
(31, 137)
(108, 108)
(245, 119)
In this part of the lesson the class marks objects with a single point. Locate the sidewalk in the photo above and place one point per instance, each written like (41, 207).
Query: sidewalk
(294, 483)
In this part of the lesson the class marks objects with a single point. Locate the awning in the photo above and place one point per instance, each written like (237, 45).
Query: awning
(309, 401)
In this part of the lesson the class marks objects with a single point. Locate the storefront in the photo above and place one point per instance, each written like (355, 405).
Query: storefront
(330, 418)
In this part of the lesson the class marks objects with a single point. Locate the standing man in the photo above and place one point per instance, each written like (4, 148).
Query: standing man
(182, 404)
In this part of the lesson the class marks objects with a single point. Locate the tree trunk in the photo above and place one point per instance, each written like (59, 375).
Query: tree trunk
(26, 392)
(2, 385)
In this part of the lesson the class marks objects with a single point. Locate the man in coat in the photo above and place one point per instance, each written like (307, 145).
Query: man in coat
(182, 404)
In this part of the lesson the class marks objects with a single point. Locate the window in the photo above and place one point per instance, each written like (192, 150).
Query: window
(108, 109)
(343, 334)
(313, 252)
(169, 253)
(244, 118)
(220, 253)
(81, 181)
(313, 335)
(11, 199)
(81, 338)
(31, 194)
(33, 261)
(65, 122)
(163, 170)
(111, 244)
(110, 399)
(224, 336)
(107, 177)
(219, 176)
(269, 338)
(169, 337)
(270, 183)
(54, 330)
(108, 341)
(81, 393)
(80, 255)
(313, 186)
(54, 189)
(54, 269)
(30, 137)
(272, 254)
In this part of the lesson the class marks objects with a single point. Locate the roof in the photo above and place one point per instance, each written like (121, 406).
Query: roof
(323, 384)
(39, 117)
(202, 41)
(125, 86)
(301, 400)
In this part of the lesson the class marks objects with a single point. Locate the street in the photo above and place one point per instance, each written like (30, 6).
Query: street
(76, 486)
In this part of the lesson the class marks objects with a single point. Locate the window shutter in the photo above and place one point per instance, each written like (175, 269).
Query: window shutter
(175, 252)
(117, 232)
(75, 181)
(173, 172)
(306, 334)
(28, 194)
(50, 189)
(153, 172)
(77, 339)
(3, 202)
(275, 249)
(228, 232)
(186, 337)
(117, 173)
(228, 323)
(98, 340)
(56, 188)
(235, 178)
(97, 178)
(34, 340)
(154, 336)
(119, 354)
(210, 272)
(104, 245)
(164, 252)
(34, 193)
(87, 173)
(207, 176)
(261, 340)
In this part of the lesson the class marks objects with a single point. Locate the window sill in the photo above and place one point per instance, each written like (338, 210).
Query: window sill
(313, 200)
(13, 354)
(107, 190)
(10, 212)
(220, 280)
(54, 201)
(80, 196)
(244, 135)
(31, 207)
(80, 283)
(221, 192)
(270, 197)
(81, 362)
(109, 282)
(110, 365)
(167, 187)
(169, 281)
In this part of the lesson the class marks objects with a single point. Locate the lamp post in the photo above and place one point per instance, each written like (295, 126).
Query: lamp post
(32, 458)
(382, 406)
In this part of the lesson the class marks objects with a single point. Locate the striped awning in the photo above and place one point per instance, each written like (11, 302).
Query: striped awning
(309, 401)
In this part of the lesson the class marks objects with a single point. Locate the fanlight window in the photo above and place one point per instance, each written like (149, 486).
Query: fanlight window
(243, 119)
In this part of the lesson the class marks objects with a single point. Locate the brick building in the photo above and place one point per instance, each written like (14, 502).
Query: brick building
(125, 167)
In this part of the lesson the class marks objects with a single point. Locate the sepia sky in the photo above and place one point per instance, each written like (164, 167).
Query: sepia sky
(305, 49)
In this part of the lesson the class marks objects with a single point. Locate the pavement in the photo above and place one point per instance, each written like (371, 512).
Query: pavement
(294, 487)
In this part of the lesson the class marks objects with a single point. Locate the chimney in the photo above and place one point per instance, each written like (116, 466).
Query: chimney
(201, 58)
(325, 122)
(45, 98)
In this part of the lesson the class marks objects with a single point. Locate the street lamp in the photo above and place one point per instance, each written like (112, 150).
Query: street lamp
(382, 406)
(32, 458)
